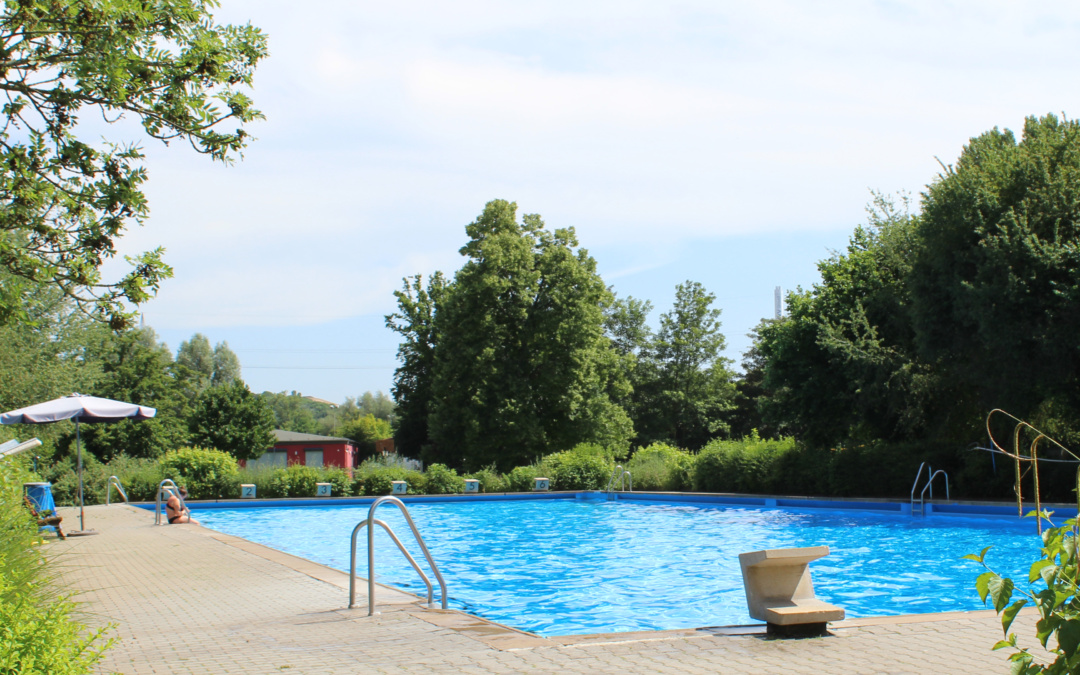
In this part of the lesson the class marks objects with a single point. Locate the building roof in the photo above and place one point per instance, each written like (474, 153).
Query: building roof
(297, 437)
(321, 400)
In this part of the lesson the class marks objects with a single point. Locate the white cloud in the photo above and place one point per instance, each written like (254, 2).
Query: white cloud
(390, 124)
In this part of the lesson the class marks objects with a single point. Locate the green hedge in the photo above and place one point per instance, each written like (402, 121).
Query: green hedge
(207, 474)
(38, 631)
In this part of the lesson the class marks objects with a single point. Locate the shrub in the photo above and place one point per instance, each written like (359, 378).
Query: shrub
(294, 481)
(578, 470)
(341, 484)
(140, 477)
(522, 478)
(378, 480)
(490, 480)
(38, 634)
(440, 480)
(207, 474)
(661, 467)
(749, 465)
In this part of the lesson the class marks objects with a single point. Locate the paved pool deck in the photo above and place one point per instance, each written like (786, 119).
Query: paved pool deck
(185, 599)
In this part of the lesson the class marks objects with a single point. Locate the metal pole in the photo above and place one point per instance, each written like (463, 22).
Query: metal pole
(78, 451)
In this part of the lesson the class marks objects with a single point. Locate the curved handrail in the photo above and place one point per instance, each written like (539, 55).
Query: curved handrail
(172, 487)
(114, 482)
(629, 481)
(401, 547)
(370, 523)
(929, 486)
(618, 472)
(915, 485)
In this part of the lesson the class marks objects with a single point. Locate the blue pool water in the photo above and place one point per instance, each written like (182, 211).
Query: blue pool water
(566, 566)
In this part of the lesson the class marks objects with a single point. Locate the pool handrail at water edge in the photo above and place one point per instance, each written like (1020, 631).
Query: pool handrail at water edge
(114, 482)
(370, 523)
(171, 488)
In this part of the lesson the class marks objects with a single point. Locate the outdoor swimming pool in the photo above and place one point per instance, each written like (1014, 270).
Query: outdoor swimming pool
(588, 565)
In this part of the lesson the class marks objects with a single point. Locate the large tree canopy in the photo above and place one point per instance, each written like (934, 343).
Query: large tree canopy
(65, 199)
(519, 365)
(930, 320)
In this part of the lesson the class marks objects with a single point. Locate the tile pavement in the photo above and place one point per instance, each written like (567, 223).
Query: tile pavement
(183, 599)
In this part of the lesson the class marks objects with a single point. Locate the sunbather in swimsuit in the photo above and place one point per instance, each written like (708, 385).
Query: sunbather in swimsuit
(176, 512)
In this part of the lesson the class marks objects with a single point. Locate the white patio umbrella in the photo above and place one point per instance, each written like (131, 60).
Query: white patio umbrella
(80, 408)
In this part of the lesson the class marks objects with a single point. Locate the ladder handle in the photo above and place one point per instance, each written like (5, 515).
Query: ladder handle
(401, 547)
(114, 481)
(371, 550)
(162, 488)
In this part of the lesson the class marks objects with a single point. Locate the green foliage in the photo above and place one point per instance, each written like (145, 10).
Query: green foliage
(138, 368)
(364, 431)
(1058, 603)
(995, 288)
(661, 467)
(294, 481)
(38, 631)
(578, 470)
(230, 418)
(683, 386)
(206, 473)
(440, 480)
(519, 363)
(166, 65)
(490, 480)
(415, 322)
(749, 465)
(523, 478)
(293, 412)
(378, 480)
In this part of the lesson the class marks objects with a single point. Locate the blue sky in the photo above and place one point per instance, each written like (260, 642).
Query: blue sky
(733, 144)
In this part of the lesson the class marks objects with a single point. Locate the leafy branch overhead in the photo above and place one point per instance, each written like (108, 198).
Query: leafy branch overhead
(66, 200)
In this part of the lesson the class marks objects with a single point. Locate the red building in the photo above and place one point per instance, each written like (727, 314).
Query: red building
(293, 447)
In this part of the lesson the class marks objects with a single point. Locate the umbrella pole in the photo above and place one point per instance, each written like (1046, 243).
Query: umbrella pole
(78, 449)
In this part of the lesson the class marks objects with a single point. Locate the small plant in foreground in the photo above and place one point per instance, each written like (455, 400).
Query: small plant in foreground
(1058, 604)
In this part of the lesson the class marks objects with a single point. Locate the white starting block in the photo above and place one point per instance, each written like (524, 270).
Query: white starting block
(400, 487)
(323, 489)
(247, 491)
(541, 485)
(779, 591)
(472, 486)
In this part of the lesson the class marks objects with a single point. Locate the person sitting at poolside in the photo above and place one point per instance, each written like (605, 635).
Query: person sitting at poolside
(176, 510)
(48, 519)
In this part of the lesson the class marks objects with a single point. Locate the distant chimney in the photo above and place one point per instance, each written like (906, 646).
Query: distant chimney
(776, 302)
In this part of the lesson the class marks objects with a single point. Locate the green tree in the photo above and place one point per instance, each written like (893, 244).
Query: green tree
(687, 387)
(843, 363)
(415, 322)
(226, 365)
(66, 200)
(365, 431)
(232, 419)
(197, 356)
(521, 365)
(139, 369)
(995, 290)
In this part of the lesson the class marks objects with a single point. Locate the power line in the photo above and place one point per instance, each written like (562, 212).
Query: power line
(319, 367)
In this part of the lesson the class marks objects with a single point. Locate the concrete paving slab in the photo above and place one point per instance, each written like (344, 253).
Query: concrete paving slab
(185, 599)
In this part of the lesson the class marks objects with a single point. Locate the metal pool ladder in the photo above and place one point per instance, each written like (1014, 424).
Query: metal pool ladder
(928, 486)
(114, 482)
(163, 488)
(623, 477)
(370, 524)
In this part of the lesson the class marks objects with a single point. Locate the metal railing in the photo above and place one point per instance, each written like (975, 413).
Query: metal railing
(928, 486)
(370, 524)
(170, 489)
(624, 478)
(114, 482)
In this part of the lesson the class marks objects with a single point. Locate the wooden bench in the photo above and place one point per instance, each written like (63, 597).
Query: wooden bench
(779, 591)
